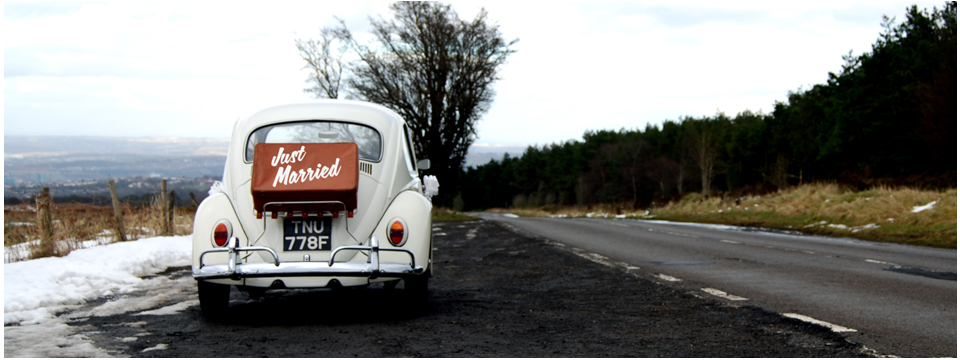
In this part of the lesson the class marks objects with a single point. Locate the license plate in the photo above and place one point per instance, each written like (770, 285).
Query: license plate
(307, 234)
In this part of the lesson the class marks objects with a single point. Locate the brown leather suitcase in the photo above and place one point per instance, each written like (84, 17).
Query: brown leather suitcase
(310, 178)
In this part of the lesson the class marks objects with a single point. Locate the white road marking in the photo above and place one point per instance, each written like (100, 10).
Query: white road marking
(155, 348)
(666, 277)
(879, 262)
(729, 241)
(472, 233)
(833, 327)
(593, 258)
(723, 294)
(598, 256)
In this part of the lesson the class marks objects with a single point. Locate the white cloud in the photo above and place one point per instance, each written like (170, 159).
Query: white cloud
(122, 68)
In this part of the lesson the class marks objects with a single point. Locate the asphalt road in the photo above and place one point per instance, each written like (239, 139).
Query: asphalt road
(495, 293)
(901, 300)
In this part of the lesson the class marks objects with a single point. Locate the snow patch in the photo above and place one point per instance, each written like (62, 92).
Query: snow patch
(55, 339)
(35, 290)
(172, 309)
(155, 348)
(870, 226)
(509, 215)
(926, 207)
(821, 224)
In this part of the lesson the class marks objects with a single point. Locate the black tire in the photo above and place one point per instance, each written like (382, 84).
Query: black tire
(391, 285)
(256, 293)
(417, 292)
(214, 299)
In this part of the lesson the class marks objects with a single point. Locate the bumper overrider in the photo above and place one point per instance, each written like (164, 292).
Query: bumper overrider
(235, 269)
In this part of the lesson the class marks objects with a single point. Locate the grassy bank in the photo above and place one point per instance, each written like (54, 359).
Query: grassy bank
(77, 226)
(881, 214)
(446, 215)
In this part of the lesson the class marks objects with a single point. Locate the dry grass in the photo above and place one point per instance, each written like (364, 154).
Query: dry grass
(879, 214)
(77, 226)
(440, 214)
(599, 210)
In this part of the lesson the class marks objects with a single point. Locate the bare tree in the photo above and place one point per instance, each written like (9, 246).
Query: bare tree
(326, 64)
(681, 175)
(778, 172)
(702, 147)
(664, 171)
(632, 152)
(432, 68)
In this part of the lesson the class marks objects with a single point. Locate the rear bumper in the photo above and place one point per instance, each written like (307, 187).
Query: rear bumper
(235, 269)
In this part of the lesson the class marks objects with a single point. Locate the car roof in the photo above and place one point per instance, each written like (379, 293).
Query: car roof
(377, 116)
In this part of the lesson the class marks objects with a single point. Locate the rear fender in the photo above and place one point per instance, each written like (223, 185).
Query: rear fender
(415, 211)
(212, 210)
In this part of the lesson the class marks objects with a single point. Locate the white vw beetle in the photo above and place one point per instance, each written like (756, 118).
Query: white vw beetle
(315, 195)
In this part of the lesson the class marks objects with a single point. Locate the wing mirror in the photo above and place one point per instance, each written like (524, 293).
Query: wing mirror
(423, 164)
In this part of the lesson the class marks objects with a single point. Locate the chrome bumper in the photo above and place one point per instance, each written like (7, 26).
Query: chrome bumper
(235, 269)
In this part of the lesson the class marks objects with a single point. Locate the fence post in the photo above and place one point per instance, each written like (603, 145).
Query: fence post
(120, 233)
(164, 217)
(170, 206)
(44, 217)
(194, 198)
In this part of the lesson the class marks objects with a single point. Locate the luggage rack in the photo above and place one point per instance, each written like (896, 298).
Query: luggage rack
(301, 213)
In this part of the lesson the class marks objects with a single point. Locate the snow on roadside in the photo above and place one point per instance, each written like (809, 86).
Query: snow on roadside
(928, 206)
(35, 290)
(21, 251)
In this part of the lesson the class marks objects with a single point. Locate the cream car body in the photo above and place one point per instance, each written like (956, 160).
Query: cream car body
(389, 190)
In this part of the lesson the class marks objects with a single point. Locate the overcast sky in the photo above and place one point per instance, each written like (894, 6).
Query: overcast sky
(189, 69)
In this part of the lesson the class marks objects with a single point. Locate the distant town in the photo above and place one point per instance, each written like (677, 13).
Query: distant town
(76, 169)
(137, 191)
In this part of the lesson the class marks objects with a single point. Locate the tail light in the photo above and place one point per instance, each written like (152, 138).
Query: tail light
(397, 232)
(222, 233)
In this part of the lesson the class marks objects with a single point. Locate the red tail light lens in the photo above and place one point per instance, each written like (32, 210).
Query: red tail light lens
(221, 233)
(396, 233)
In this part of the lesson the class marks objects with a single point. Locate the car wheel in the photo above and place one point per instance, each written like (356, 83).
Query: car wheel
(214, 299)
(256, 293)
(417, 292)
(391, 285)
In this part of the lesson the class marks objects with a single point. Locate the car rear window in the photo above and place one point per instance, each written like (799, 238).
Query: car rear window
(368, 139)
